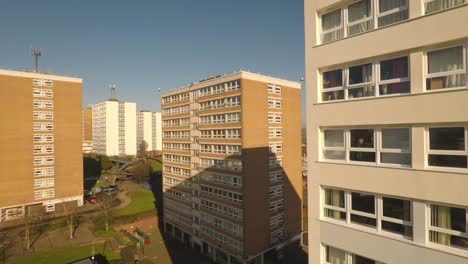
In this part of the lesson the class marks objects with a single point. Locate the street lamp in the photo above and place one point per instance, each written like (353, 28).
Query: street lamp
(92, 249)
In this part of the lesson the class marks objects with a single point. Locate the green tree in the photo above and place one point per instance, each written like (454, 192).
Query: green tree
(106, 164)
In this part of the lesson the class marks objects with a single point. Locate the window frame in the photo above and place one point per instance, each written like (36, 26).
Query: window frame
(362, 20)
(443, 230)
(441, 10)
(378, 215)
(341, 27)
(428, 75)
(377, 149)
(375, 82)
(389, 12)
(445, 152)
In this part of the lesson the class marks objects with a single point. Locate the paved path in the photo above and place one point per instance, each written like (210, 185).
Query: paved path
(124, 200)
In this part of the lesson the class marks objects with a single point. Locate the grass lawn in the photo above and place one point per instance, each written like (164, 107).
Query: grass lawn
(156, 165)
(142, 202)
(65, 255)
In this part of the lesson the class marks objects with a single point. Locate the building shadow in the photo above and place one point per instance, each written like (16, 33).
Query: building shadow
(226, 213)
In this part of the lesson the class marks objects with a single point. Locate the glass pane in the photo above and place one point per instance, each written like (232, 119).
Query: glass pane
(362, 138)
(333, 79)
(362, 156)
(331, 96)
(334, 154)
(451, 81)
(335, 214)
(445, 60)
(362, 260)
(395, 138)
(393, 18)
(363, 202)
(448, 217)
(385, 5)
(334, 138)
(331, 20)
(394, 88)
(447, 138)
(367, 221)
(396, 158)
(397, 228)
(334, 255)
(397, 208)
(394, 68)
(364, 91)
(359, 10)
(452, 161)
(360, 74)
(437, 5)
(334, 198)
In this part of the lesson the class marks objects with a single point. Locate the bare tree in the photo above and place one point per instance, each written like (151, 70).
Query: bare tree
(105, 202)
(4, 245)
(70, 213)
(143, 147)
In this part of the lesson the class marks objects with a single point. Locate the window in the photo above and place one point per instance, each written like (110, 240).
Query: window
(334, 255)
(274, 118)
(362, 145)
(334, 145)
(360, 81)
(448, 147)
(446, 68)
(448, 226)
(334, 206)
(391, 12)
(273, 88)
(276, 191)
(274, 103)
(396, 216)
(233, 133)
(395, 146)
(363, 209)
(276, 206)
(394, 76)
(332, 28)
(275, 162)
(276, 176)
(384, 214)
(332, 85)
(276, 221)
(360, 17)
(432, 6)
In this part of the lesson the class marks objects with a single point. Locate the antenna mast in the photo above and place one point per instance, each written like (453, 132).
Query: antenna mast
(36, 53)
(113, 97)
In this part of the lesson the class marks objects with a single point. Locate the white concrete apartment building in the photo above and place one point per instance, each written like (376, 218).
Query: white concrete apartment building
(114, 128)
(387, 129)
(149, 129)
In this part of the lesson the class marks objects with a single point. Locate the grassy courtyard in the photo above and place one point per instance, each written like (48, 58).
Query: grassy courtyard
(142, 202)
(65, 255)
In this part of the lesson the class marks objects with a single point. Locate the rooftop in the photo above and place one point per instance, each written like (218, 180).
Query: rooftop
(39, 75)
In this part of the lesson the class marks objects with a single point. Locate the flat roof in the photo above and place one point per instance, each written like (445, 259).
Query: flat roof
(230, 77)
(40, 76)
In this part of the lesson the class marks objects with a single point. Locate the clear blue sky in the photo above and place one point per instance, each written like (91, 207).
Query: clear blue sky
(148, 44)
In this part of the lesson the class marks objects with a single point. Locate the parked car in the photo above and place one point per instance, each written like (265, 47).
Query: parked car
(111, 189)
(91, 199)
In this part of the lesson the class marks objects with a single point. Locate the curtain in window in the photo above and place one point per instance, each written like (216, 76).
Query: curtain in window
(385, 5)
(331, 21)
(335, 256)
(440, 218)
(359, 11)
(438, 5)
(333, 198)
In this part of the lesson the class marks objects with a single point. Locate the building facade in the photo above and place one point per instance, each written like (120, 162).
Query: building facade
(232, 165)
(41, 143)
(149, 129)
(114, 128)
(387, 127)
(87, 126)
